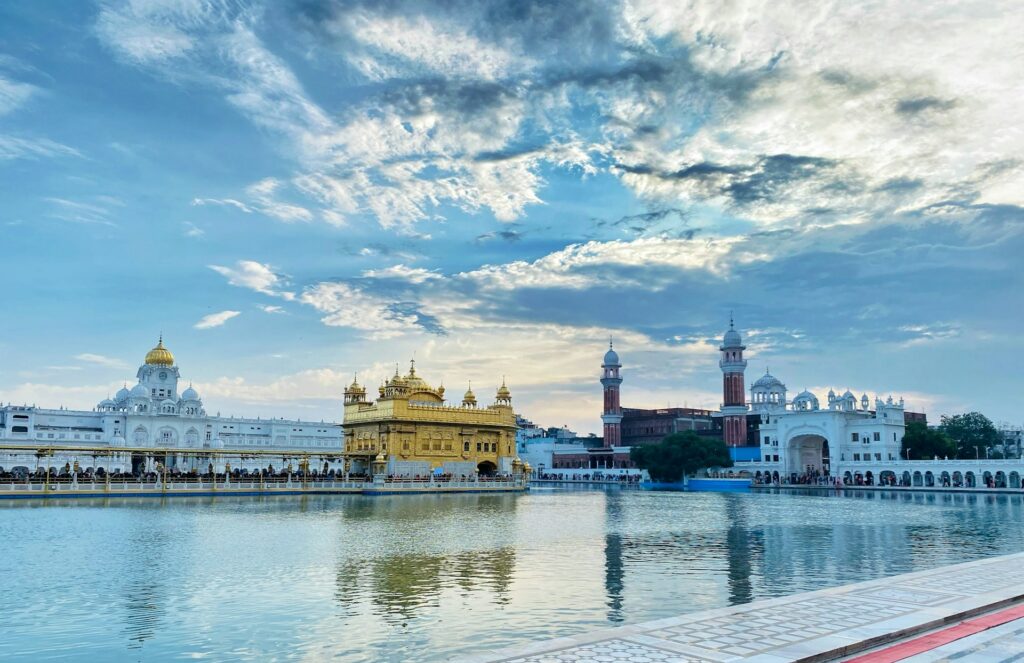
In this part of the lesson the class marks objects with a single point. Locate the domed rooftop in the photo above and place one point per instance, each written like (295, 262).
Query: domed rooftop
(768, 380)
(160, 356)
(190, 394)
(611, 358)
(805, 396)
(469, 396)
(732, 337)
(139, 391)
(503, 391)
(849, 394)
(106, 402)
(122, 394)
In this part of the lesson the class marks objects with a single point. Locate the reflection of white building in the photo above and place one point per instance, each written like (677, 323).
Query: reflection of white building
(800, 436)
(152, 414)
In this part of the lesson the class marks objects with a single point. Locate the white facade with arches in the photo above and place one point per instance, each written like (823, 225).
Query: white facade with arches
(153, 414)
(800, 437)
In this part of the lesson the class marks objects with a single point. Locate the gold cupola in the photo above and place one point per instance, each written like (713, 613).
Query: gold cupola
(160, 356)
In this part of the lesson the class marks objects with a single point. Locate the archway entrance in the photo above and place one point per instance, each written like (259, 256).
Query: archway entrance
(808, 454)
(138, 464)
(486, 468)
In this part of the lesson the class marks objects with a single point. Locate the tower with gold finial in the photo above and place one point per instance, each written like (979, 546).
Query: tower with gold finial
(504, 396)
(158, 376)
(734, 402)
(355, 393)
(469, 399)
(612, 415)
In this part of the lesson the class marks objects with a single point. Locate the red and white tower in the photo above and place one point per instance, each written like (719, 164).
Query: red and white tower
(612, 416)
(734, 404)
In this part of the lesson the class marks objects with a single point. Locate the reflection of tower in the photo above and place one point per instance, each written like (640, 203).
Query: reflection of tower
(613, 570)
(612, 416)
(734, 405)
(739, 551)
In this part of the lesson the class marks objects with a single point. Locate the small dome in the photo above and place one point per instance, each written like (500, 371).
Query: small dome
(160, 356)
(849, 394)
(190, 394)
(611, 358)
(106, 402)
(122, 394)
(768, 380)
(139, 391)
(732, 337)
(503, 391)
(805, 395)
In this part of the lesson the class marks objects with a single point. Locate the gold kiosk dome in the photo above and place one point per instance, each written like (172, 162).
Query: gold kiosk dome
(160, 356)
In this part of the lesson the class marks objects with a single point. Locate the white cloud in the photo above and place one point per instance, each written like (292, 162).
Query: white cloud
(192, 230)
(101, 360)
(348, 306)
(269, 308)
(402, 273)
(254, 276)
(401, 45)
(13, 94)
(215, 319)
(15, 147)
(230, 202)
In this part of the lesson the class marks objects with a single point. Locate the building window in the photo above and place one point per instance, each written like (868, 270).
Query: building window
(854, 437)
(465, 446)
(775, 458)
(856, 456)
(878, 456)
(878, 437)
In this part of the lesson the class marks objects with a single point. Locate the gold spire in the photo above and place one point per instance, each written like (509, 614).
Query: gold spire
(160, 356)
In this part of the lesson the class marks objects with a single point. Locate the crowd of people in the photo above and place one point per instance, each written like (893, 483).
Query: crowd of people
(596, 476)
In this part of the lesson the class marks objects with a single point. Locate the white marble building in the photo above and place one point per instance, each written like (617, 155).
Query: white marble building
(854, 440)
(800, 436)
(154, 414)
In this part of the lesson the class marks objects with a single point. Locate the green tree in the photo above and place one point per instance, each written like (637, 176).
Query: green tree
(968, 431)
(925, 443)
(680, 454)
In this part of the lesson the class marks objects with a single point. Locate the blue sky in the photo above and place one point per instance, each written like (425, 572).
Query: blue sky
(296, 191)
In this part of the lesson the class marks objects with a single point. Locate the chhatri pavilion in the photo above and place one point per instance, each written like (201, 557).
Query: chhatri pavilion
(412, 431)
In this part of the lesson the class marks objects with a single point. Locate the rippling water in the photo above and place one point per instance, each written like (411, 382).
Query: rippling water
(430, 577)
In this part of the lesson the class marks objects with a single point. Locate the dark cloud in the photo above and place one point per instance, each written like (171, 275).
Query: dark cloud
(767, 179)
(900, 184)
(918, 105)
(507, 235)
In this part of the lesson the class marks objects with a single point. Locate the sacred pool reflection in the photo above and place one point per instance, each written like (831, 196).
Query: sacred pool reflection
(428, 577)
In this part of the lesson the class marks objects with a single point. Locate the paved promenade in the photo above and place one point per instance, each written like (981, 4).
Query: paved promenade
(815, 626)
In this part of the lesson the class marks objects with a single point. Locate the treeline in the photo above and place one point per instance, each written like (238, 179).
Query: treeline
(961, 436)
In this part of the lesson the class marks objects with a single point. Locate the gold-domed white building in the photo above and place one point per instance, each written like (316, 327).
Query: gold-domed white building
(417, 433)
(152, 422)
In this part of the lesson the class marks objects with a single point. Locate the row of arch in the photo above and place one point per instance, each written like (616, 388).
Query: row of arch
(944, 479)
(918, 479)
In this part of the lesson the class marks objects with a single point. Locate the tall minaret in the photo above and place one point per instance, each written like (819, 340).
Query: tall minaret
(734, 403)
(612, 416)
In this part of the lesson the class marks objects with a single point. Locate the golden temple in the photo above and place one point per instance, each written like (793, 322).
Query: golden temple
(411, 431)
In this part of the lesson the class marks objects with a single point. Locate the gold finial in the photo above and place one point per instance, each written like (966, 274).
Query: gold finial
(412, 367)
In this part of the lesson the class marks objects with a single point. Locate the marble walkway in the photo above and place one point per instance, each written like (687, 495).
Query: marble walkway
(815, 626)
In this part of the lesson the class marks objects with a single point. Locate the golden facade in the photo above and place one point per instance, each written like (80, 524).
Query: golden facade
(412, 429)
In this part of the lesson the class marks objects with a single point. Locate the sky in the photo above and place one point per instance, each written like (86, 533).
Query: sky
(294, 191)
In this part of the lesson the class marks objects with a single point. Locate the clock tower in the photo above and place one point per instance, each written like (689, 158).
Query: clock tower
(158, 374)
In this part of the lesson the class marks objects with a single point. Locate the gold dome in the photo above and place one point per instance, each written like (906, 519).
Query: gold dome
(160, 356)
(503, 391)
